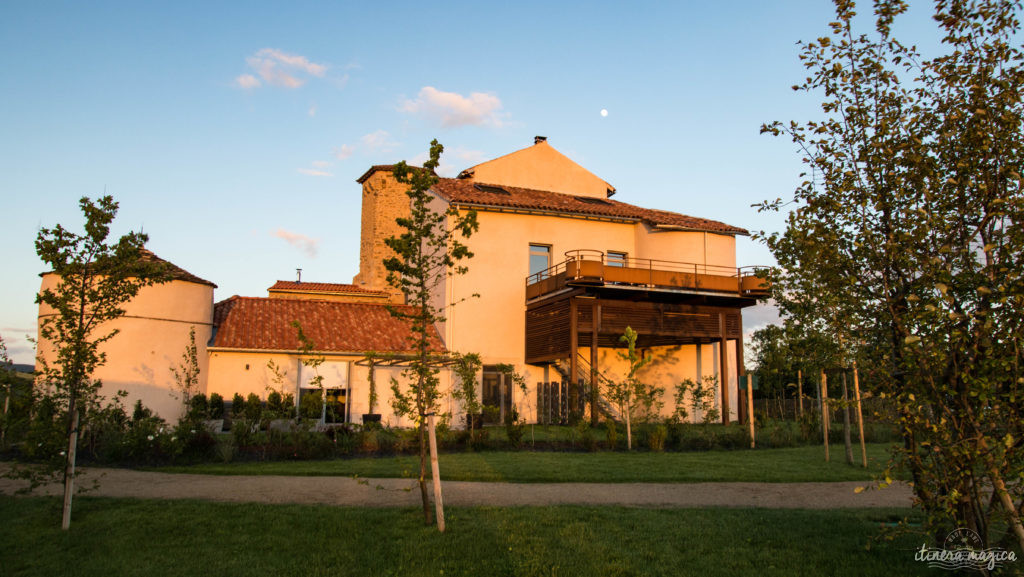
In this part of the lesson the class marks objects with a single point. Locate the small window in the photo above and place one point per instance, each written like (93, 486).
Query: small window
(540, 258)
(615, 258)
(592, 200)
(491, 189)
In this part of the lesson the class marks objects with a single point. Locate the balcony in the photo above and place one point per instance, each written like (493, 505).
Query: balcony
(593, 268)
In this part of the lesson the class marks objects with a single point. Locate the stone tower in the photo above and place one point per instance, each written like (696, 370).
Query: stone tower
(384, 200)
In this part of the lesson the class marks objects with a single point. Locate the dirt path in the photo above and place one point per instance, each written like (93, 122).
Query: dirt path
(398, 492)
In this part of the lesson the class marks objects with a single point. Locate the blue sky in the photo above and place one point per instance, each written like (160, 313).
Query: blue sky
(232, 133)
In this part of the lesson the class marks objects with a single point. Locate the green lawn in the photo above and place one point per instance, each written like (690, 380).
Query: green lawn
(112, 537)
(788, 465)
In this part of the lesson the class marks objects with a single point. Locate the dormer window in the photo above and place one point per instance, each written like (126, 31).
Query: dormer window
(491, 189)
(592, 200)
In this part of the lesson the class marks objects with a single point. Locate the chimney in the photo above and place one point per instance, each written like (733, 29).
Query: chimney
(539, 139)
(298, 274)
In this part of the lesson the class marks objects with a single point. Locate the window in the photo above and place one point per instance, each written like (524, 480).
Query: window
(540, 259)
(592, 200)
(496, 395)
(615, 258)
(491, 189)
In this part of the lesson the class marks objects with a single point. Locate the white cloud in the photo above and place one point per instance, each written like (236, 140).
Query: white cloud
(453, 109)
(247, 81)
(344, 151)
(453, 161)
(300, 241)
(312, 110)
(278, 68)
(314, 172)
(379, 140)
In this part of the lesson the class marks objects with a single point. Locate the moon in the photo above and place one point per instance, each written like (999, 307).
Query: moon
(604, 112)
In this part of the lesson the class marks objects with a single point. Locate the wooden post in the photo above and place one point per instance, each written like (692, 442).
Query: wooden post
(800, 389)
(846, 423)
(860, 417)
(69, 465)
(824, 410)
(750, 407)
(596, 315)
(723, 372)
(438, 502)
(574, 344)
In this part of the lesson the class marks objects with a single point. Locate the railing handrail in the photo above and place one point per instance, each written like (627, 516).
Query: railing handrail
(576, 258)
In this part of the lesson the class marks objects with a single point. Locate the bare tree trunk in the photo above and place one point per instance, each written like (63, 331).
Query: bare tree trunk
(7, 407)
(846, 423)
(629, 429)
(69, 463)
(427, 519)
(800, 389)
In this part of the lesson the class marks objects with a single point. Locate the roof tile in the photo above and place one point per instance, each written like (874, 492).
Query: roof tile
(265, 324)
(323, 287)
(466, 191)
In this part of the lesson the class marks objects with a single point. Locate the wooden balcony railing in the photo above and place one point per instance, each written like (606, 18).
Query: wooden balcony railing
(595, 268)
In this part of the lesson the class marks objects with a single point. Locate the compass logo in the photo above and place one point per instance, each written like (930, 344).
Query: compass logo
(964, 549)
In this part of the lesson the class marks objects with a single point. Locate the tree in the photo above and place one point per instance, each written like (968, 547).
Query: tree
(95, 280)
(313, 361)
(426, 253)
(628, 392)
(7, 375)
(466, 368)
(907, 241)
(186, 373)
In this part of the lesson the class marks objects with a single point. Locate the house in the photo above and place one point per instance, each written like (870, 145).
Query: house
(255, 347)
(561, 269)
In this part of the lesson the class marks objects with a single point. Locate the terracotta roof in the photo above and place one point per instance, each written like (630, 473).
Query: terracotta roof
(466, 191)
(175, 271)
(376, 167)
(265, 324)
(323, 287)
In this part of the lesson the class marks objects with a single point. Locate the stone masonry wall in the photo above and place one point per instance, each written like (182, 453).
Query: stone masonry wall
(384, 200)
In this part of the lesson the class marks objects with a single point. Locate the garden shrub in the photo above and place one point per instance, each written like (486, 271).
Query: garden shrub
(216, 406)
(198, 408)
(611, 434)
(237, 406)
(253, 410)
(656, 437)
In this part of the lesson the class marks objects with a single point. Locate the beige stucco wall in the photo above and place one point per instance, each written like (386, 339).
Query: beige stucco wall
(717, 250)
(493, 325)
(247, 372)
(541, 167)
(153, 335)
(670, 365)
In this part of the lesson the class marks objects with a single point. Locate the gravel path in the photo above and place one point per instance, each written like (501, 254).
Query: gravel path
(348, 491)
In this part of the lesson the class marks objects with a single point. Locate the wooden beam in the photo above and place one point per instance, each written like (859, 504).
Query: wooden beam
(595, 324)
(723, 371)
(574, 338)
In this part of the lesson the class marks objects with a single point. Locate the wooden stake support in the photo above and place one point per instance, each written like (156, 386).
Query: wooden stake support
(860, 417)
(436, 472)
(824, 410)
(750, 407)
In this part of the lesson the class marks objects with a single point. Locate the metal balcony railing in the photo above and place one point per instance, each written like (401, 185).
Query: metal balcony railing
(585, 267)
